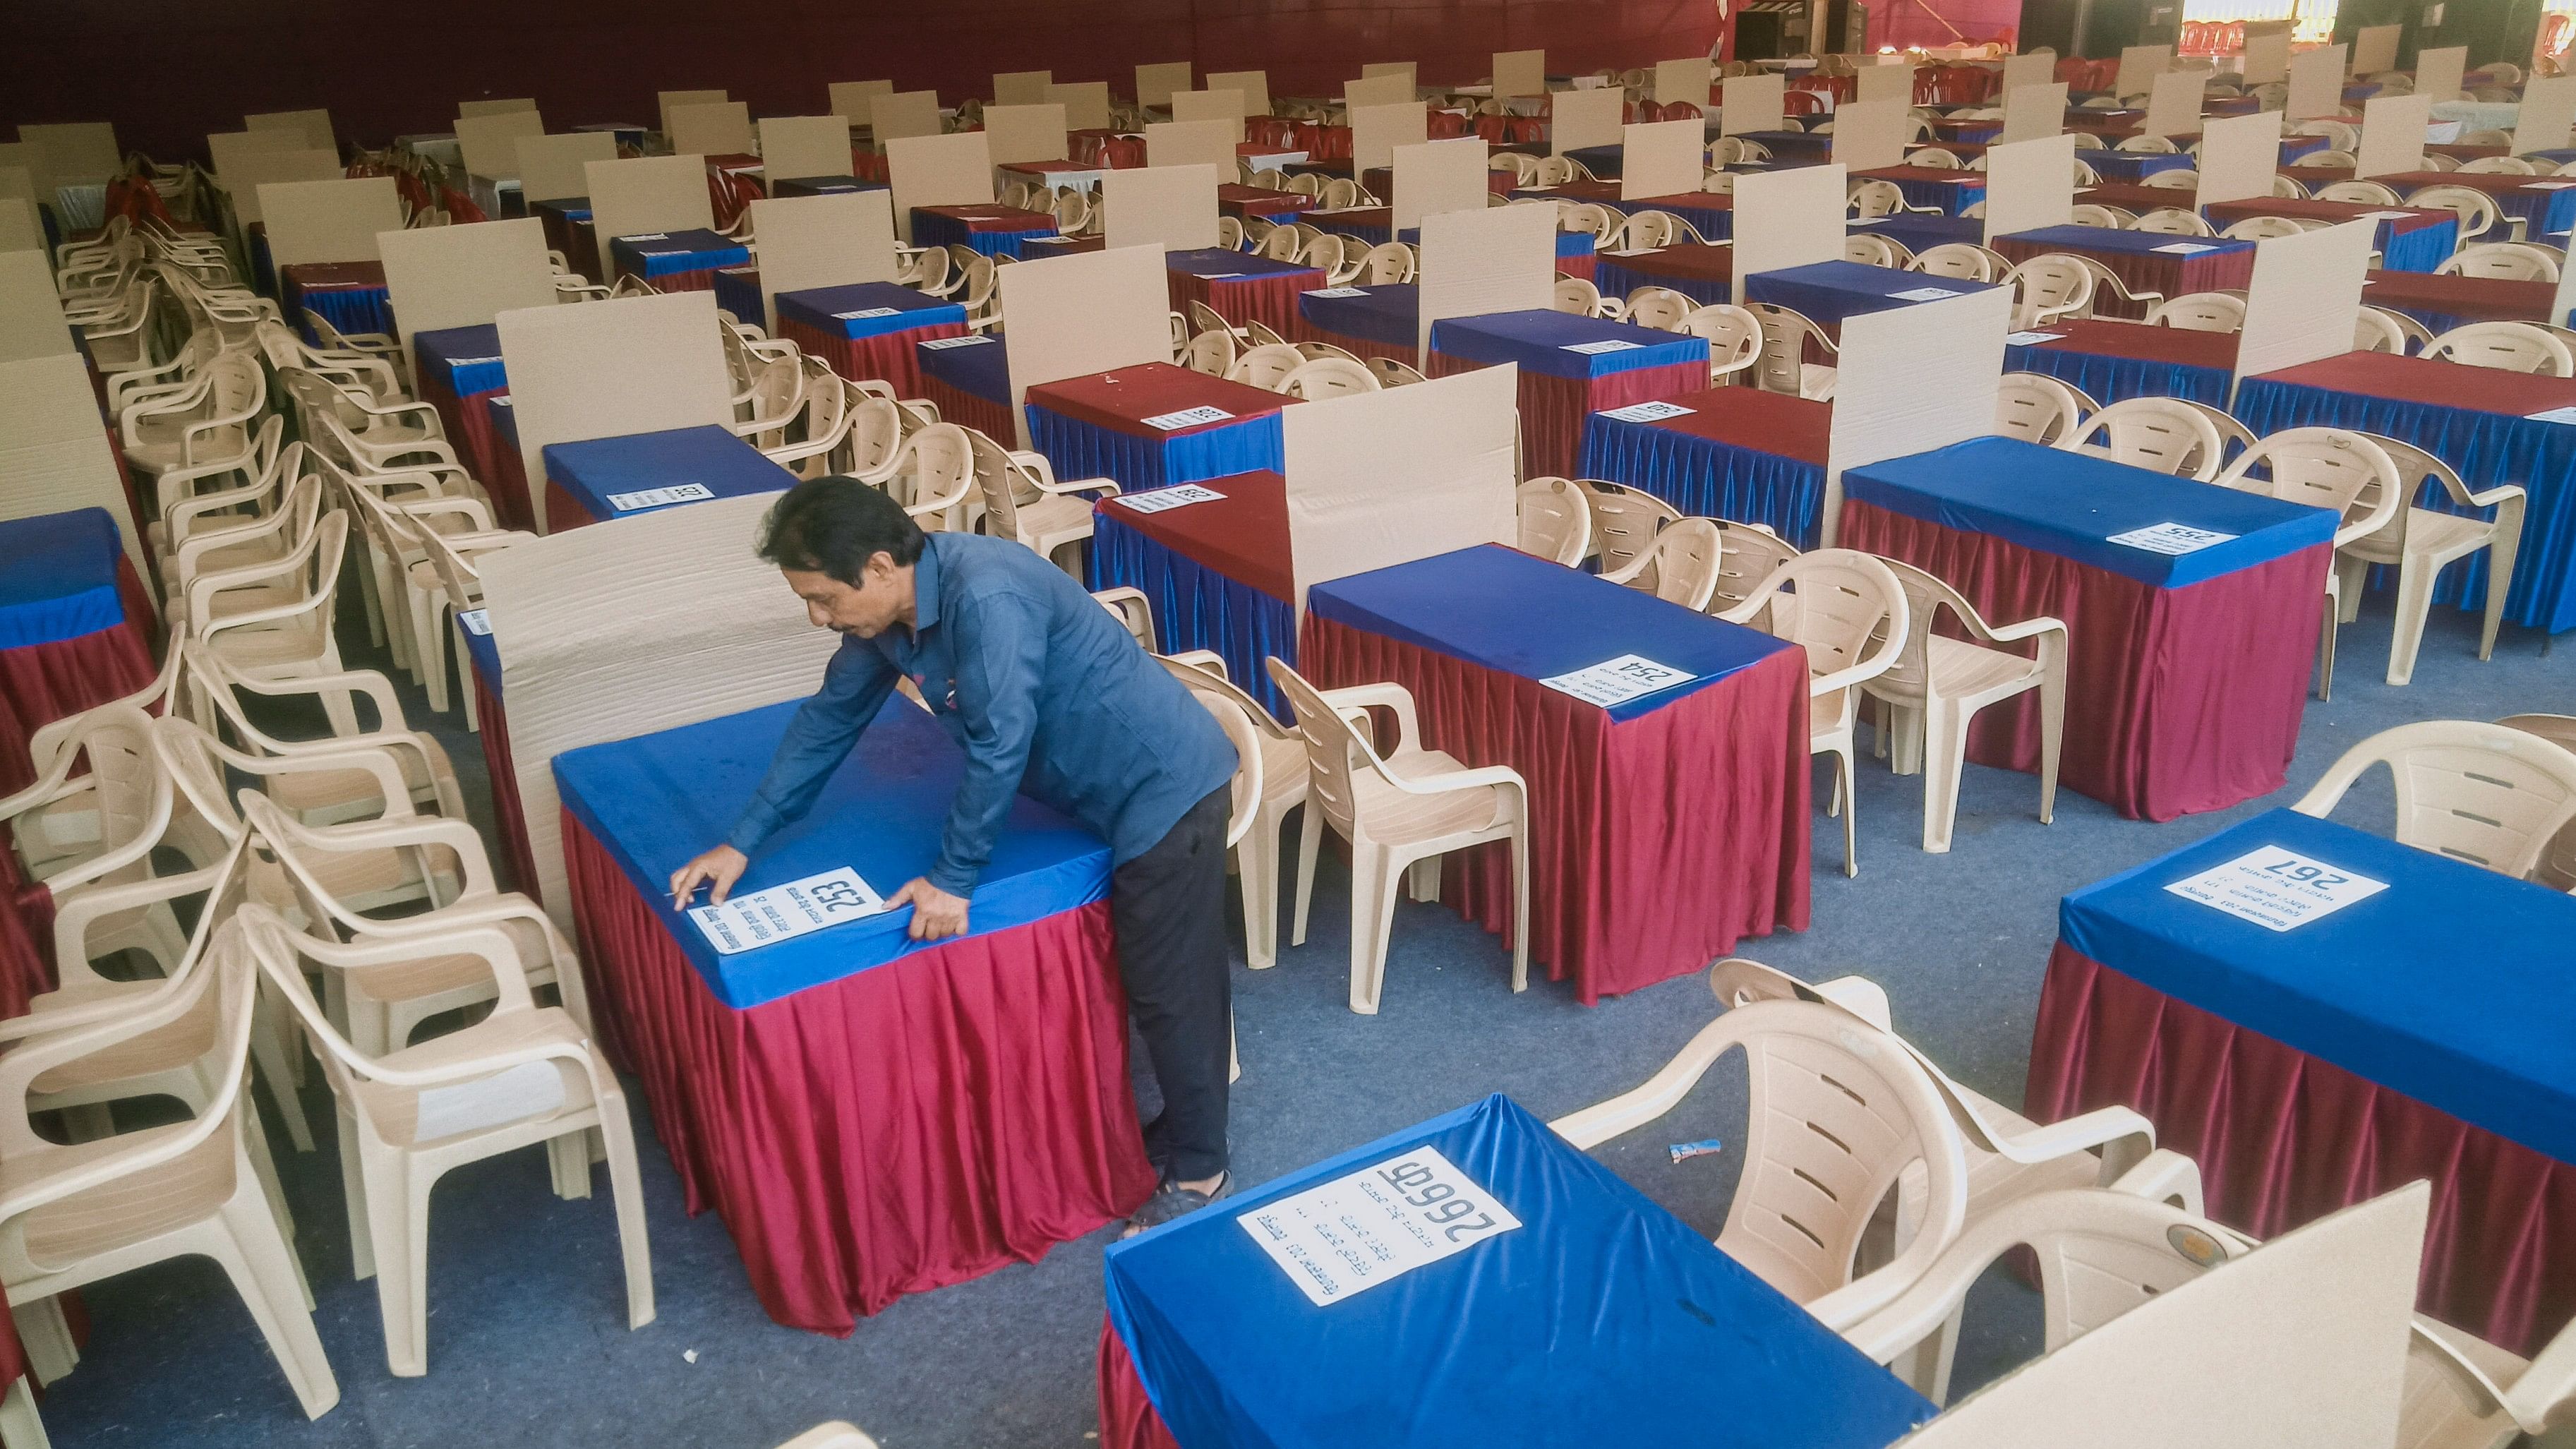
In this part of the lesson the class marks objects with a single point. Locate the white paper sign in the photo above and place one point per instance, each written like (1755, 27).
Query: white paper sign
(659, 497)
(2547, 185)
(476, 621)
(1375, 1225)
(1595, 348)
(1616, 681)
(2277, 889)
(1187, 418)
(946, 342)
(1646, 412)
(1163, 498)
(783, 912)
(1925, 294)
(2554, 415)
(1338, 292)
(2026, 339)
(2173, 538)
(865, 312)
(2184, 249)
(649, 236)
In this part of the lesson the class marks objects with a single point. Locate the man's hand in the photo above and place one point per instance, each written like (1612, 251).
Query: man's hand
(936, 914)
(718, 869)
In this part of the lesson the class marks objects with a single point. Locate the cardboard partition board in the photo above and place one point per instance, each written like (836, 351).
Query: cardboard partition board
(1586, 118)
(314, 125)
(1492, 259)
(803, 146)
(1025, 133)
(1378, 479)
(893, 116)
(1520, 73)
(1436, 177)
(1084, 314)
(1750, 103)
(490, 143)
(2139, 67)
(2031, 112)
(464, 276)
(937, 171)
(609, 369)
(328, 221)
(2037, 68)
(259, 169)
(495, 108)
(1377, 130)
(1255, 85)
(31, 316)
(1682, 81)
(1911, 379)
(19, 228)
(2267, 53)
(853, 101)
(226, 149)
(2173, 107)
(2316, 84)
(2238, 155)
(1883, 83)
(2392, 134)
(637, 195)
(1661, 158)
(1376, 90)
(1788, 218)
(17, 181)
(1193, 143)
(23, 165)
(2548, 109)
(2305, 297)
(711, 128)
(822, 241)
(1378, 68)
(1086, 104)
(2439, 73)
(2029, 184)
(54, 455)
(2565, 298)
(1172, 207)
(1021, 87)
(84, 153)
(1211, 105)
(665, 101)
(2374, 48)
(1871, 134)
(555, 168)
(1156, 82)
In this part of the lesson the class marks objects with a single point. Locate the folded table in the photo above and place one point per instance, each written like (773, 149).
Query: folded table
(603, 478)
(1154, 425)
(1570, 367)
(1738, 453)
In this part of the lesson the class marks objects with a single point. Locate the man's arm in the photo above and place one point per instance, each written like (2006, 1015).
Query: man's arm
(1000, 651)
(855, 686)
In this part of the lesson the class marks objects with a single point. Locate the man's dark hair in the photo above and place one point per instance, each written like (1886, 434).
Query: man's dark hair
(834, 525)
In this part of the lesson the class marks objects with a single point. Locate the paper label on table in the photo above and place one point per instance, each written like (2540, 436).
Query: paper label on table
(2184, 249)
(2554, 415)
(1218, 276)
(1338, 292)
(2027, 339)
(1596, 348)
(650, 236)
(659, 497)
(1375, 1225)
(1053, 241)
(784, 912)
(470, 361)
(476, 621)
(865, 312)
(2548, 185)
(1646, 412)
(670, 253)
(1925, 294)
(1188, 418)
(1616, 681)
(2173, 538)
(2277, 889)
(947, 342)
(1163, 498)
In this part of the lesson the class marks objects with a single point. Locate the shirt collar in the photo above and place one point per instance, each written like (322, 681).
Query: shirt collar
(925, 587)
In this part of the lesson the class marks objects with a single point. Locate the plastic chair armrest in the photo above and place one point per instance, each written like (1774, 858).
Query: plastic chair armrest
(1207, 659)
(1391, 697)
(2027, 628)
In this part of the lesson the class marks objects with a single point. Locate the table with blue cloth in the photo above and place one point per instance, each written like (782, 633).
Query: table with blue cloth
(970, 380)
(1238, 286)
(675, 261)
(586, 480)
(1710, 213)
(2478, 421)
(867, 331)
(737, 292)
(1128, 424)
(1918, 233)
(1705, 274)
(1604, 162)
(2443, 301)
(1378, 319)
(1570, 368)
(1827, 292)
(1374, 225)
(1216, 575)
(1663, 829)
(2545, 205)
(2134, 167)
(351, 296)
(2115, 361)
(1960, 131)
(1652, 1338)
(798, 1084)
(2307, 1067)
(1938, 188)
(2144, 261)
(993, 231)
(2187, 673)
(1740, 453)
(824, 186)
(2408, 239)
(1803, 147)
(454, 368)
(569, 230)
(76, 629)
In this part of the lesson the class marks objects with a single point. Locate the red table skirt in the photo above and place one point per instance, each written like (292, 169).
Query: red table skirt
(41, 683)
(696, 279)
(956, 405)
(563, 511)
(1360, 347)
(1554, 409)
(2283, 1138)
(577, 240)
(1586, 267)
(2171, 276)
(1127, 1417)
(2177, 700)
(469, 426)
(1655, 844)
(26, 941)
(903, 1128)
(508, 480)
(887, 357)
(503, 772)
(1270, 301)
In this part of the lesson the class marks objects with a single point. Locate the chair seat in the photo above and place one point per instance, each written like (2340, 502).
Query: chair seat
(2431, 1414)
(154, 457)
(530, 1092)
(1973, 674)
(1283, 767)
(1056, 515)
(129, 1210)
(1391, 816)
(262, 646)
(176, 1045)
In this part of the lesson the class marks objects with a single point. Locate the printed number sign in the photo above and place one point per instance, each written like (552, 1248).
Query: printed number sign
(644, 498)
(2277, 889)
(784, 912)
(1375, 1225)
(2172, 538)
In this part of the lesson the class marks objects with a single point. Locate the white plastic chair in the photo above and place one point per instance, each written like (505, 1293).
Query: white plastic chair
(2491, 795)
(2200, 312)
(1257, 850)
(2511, 346)
(1963, 261)
(2477, 211)
(2512, 260)
(2037, 409)
(2382, 329)
(1661, 308)
(2329, 468)
(1266, 366)
(1329, 377)
(1782, 366)
(1679, 567)
(1023, 500)
(2174, 221)
(834, 1435)
(1555, 520)
(2162, 435)
(2051, 286)
(2421, 541)
(1938, 683)
(1734, 338)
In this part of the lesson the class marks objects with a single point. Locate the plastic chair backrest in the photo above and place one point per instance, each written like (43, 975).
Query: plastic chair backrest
(2328, 468)
(1266, 366)
(2174, 221)
(1575, 295)
(1785, 336)
(2491, 795)
(1337, 752)
(1328, 377)
(2036, 409)
(1624, 521)
(2501, 259)
(1555, 521)
(1687, 557)
(1956, 259)
(1659, 307)
(2200, 312)
(2154, 433)
(1748, 553)
(1851, 612)
(2512, 346)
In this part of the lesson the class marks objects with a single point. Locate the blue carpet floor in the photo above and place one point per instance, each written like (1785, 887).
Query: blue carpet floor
(528, 1343)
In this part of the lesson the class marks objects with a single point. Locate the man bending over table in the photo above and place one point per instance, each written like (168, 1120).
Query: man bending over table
(1048, 693)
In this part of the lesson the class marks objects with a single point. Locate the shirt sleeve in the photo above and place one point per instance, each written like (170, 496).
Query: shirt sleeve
(855, 686)
(1000, 654)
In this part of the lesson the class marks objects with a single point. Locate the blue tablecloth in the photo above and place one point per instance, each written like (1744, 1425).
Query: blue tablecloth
(2132, 243)
(2133, 167)
(1383, 313)
(976, 366)
(2422, 250)
(2488, 1044)
(1918, 233)
(824, 186)
(931, 229)
(58, 577)
(1827, 292)
(661, 254)
(729, 467)
(2069, 504)
(1078, 449)
(1605, 162)
(1800, 146)
(1709, 477)
(466, 359)
(351, 311)
(1543, 342)
(1947, 195)
(1601, 1319)
(1226, 262)
(831, 310)
(737, 291)
(1199, 608)
(656, 800)
(1501, 609)
(2107, 378)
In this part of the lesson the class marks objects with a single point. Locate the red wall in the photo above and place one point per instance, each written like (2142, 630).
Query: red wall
(169, 71)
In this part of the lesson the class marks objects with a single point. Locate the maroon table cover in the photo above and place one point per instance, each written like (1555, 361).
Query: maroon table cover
(508, 480)
(1127, 1417)
(1269, 299)
(886, 357)
(2165, 274)
(1553, 409)
(493, 723)
(2470, 299)
(41, 683)
(956, 405)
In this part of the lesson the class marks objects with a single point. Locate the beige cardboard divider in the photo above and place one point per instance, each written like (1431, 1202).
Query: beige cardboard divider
(1750, 103)
(1025, 133)
(1377, 130)
(937, 171)
(1586, 118)
(632, 626)
(803, 146)
(1377, 69)
(711, 128)
(1158, 80)
(667, 101)
(1194, 143)
(2267, 52)
(1376, 90)
(1682, 81)
(2139, 67)
(31, 316)
(2316, 84)
(1021, 87)
(54, 450)
(2029, 184)
(27, 159)
(2548, 109)
(228, 148)
(903, 113)
(328, 221)
(314, 125)
(2392, 134)
(2031, 112)
(84, 153)
(1883, 83)
(854, 101)
(822, 241)
(1520, 73)
(464, 276)
(258, 169)
(1083, 314)
(1255, 85)
(2173, 107)
(1210, 105)
(1871, 134)
(1911, 379)
(495, 108)
(1384, 478)
(2305, 297)
(19, 228)
(2374, 48)
(18, 181)
(608, 369)
(1661, 158)
(2439, 73)
(1788, 218)
(2238, 155)
(2565, 298)
(1434, 177)
(554, 168)
(1172, 207)
(1491, 259)
(2037, 68)
(2300, 1344)
(1086, 104)
(639, 195)
(490, 144)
